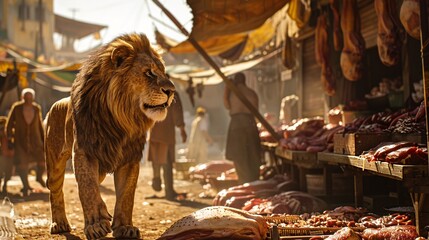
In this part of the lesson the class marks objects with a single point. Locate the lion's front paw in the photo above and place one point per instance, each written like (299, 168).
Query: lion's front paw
(127, 232)
(60, 227)
(98, 229)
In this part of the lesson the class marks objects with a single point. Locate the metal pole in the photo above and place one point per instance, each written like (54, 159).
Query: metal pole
(228, 82)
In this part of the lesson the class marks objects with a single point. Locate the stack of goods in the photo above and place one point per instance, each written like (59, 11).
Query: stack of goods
(309, 134)
(237, 196)
(394, 232)
(406, 153)
(212, 169)
(403, 121)
(292, 202)
(268, 197)
(345, 223)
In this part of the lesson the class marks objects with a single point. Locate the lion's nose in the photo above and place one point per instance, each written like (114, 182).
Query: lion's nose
(167, 92)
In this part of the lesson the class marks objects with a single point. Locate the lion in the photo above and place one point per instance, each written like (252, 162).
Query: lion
(118, 94)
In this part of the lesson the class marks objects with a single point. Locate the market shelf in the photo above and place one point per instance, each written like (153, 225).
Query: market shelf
(395, 171)
(299, 158)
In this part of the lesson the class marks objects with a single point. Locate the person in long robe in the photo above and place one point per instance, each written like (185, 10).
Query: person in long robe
(200, 138)
(25, 134)
(6, 157)
(243, 145)
(162, 147)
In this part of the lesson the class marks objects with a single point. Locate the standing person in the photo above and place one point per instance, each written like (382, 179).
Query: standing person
(6, 158)
(162, 147)
(243, 143)
(24, 131)
(199, 138)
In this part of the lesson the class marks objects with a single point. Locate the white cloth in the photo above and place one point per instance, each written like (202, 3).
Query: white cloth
(197, 146)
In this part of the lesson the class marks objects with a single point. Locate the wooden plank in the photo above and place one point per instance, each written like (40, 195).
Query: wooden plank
(269, 145)
(299, 158)
(358, 188)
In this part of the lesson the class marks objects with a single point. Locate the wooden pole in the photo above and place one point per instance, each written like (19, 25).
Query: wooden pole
(227, 81)
(424, 41)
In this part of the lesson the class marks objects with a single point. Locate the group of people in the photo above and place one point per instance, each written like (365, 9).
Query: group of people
(22, 137)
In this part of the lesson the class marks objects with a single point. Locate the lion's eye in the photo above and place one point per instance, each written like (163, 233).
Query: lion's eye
(150, 74)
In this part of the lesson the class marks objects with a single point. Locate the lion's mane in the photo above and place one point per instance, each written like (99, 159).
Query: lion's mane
(110, 127)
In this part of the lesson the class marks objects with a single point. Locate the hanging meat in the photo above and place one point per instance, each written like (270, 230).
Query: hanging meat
(322, 55)
(351, 60)
(288, 52)
(389, 41)
(336, 25)
(410, 17)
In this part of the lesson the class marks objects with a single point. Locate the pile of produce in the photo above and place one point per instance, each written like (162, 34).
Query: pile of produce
(394, 232)
(399, 153)
(212, 169)
(309, 134)
(291, 202)
(270, 196)
(402, 121)
(237, 196)
(352, 223)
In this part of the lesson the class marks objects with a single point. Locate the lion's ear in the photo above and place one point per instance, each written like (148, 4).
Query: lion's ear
(119, 54)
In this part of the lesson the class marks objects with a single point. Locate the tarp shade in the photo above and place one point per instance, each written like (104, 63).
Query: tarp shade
(75, 29)
(209, 77)
(226, 17)
(245, 42)
(213, 46)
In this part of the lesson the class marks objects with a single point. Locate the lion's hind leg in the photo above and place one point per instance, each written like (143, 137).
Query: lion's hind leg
(57, 154)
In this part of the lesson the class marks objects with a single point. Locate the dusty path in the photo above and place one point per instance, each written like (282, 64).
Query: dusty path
(152, 216)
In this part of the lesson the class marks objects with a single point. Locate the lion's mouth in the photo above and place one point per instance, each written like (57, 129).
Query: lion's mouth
(148, 106)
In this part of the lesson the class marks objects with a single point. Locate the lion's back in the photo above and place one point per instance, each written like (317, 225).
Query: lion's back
(59, 128)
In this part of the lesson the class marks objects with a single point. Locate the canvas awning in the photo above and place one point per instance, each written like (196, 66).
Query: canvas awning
(75, 29)
(230, 29)
(226, 17)
(209, 77)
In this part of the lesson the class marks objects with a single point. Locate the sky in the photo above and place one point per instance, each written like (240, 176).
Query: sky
(125, 16)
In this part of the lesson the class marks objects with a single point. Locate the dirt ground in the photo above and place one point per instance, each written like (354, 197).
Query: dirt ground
(151, 215)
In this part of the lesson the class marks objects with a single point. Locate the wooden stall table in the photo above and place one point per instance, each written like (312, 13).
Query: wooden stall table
(414, 177)
(304, 161)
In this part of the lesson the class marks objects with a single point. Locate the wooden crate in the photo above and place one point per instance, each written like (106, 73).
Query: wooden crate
(409, 137)
(356, 143)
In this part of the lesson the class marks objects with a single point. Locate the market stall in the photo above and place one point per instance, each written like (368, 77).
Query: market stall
(349, 54)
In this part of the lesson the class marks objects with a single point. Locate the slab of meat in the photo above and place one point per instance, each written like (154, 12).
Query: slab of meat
(344, 233)
(400, 232)
(389, 42)
(322, 55)
(382, 152)
(218, 223)
(351, 60)
(410, 17)
(211, 169)
(336, 25)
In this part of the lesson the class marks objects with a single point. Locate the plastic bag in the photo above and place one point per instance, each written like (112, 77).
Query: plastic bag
(7, 225)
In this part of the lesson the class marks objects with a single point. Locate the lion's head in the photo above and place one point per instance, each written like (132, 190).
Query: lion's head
(121, 90)
(130, 77)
